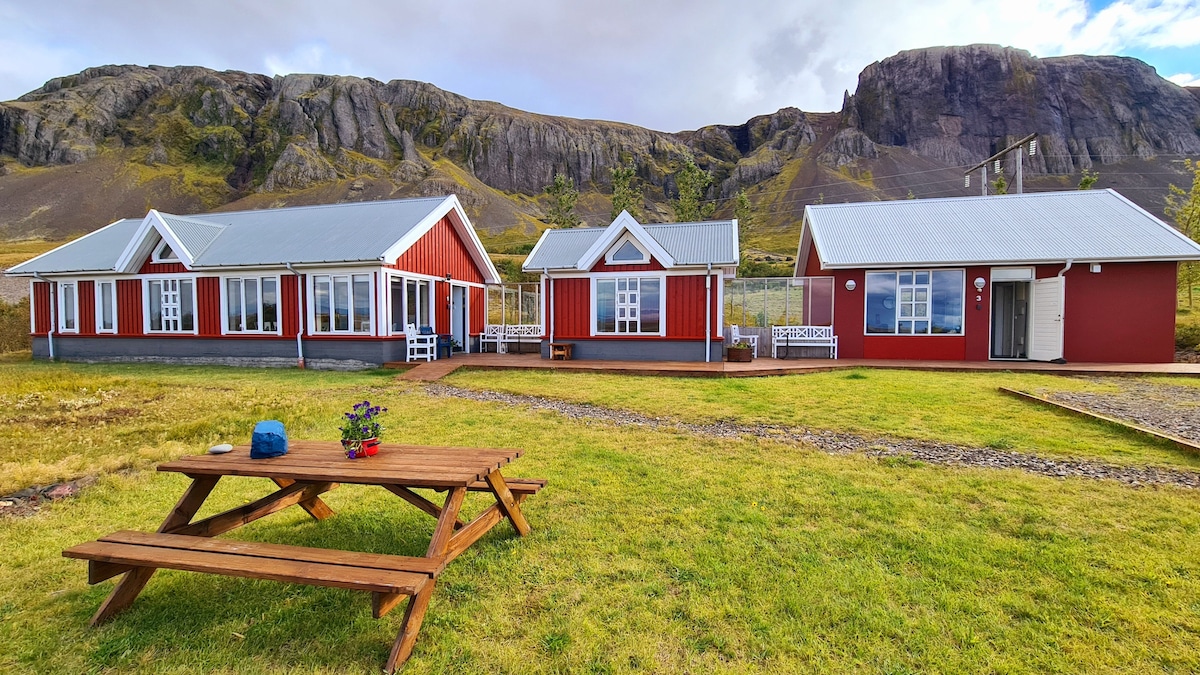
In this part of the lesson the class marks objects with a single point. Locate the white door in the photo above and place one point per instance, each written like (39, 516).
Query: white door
(1046, 336)
(458, 314)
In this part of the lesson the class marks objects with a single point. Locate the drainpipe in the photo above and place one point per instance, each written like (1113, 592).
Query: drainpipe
(708, 314)
(549, 304)
(50, 333)
(299, 317)
(1062, 299)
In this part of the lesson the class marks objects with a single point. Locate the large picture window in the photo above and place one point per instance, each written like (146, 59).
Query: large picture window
(106, 306)
(629, 305)
(252, 305)
(68, 307)
(171, 304)
(915, 302)
(342, 303)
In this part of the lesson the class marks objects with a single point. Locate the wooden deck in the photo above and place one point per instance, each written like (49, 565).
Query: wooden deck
(763, 366)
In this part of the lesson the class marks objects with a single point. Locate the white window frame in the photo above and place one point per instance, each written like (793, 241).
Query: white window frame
(150, 280)
(928, 302)
(226, 329)
(158, 257)
(98, 285)
(627, 238)
(349, 275)
(614, 276)
(63, 286)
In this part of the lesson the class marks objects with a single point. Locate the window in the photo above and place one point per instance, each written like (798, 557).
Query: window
(629, 305)
(171, 304)
(252, 305)
(626, 252)
(164, 253)
(106, 307)
(915, 302)
(68, 307)
(342, 303)
(417, 310)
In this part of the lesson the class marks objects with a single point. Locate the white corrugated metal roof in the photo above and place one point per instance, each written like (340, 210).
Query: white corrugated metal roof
(713, 242)
(335, 233)
(1085, 225)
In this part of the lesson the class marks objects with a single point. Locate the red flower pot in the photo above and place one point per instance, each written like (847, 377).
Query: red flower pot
(367, 447)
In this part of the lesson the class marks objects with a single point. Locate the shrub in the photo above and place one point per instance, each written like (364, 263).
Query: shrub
(14, 326)
(1187, 336)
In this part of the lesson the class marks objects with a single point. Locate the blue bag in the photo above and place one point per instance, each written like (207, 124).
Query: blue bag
(269, 440)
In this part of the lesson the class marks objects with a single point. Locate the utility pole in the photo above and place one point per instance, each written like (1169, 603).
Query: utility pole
(1031, 139)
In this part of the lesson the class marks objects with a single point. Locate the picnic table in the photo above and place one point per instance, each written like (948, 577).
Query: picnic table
(308, 470)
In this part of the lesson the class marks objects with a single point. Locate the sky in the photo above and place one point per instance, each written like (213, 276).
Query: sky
(668, 65)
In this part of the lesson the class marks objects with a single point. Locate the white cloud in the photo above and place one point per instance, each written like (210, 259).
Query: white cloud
(1185, 80)
(667, 64)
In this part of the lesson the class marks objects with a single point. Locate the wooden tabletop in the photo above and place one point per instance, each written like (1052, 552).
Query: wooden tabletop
(311, 461)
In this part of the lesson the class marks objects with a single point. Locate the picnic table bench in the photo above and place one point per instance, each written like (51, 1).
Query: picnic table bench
(310, 469)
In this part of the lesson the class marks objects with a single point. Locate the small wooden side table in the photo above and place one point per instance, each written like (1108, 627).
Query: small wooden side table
(561, 351)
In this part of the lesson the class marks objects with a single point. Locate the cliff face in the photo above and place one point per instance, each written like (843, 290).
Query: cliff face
(85, 149)
(961, 104)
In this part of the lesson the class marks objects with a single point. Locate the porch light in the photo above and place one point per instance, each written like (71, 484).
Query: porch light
(851, 285)
(979, 283)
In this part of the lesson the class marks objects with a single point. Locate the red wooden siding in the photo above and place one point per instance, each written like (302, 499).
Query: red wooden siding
(87, 307)
(129, 307)
(1124, 313)
(684, 302)
(440, 252)
(478, 308)
(441, 306)
(208, 306)
(290, 287)
(572, 308)
(41, 307)
(653, 265)
(162, 268)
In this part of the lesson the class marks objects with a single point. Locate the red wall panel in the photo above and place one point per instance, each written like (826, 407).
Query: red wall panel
(162, 268)
(923, 347)
(129, 307)
(87, 307)
(572, 308)
(1125, 313)
(208, 306)
(41, 307)
(685, 307)
(439, 252)
(478, 303)
(652, 266)
(289, 288)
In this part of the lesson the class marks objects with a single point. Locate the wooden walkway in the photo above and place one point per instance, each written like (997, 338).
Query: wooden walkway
(761, 367)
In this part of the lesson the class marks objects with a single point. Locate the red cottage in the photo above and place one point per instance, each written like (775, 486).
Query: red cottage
(636, 292)
(343, 285)
(1083, 276)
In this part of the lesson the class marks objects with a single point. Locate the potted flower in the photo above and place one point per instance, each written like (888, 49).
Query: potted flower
(739, 352)
(360, 436)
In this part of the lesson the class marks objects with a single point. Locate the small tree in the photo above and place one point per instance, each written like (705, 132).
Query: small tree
(743, 210)
(1087, 179)
(1000, 186)
(562, 205)
(911, 195)
(1183, 207)
(625, 197)
(692, 182)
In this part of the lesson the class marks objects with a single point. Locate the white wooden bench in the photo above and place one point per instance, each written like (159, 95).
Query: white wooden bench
(501, 335)
(803, 336)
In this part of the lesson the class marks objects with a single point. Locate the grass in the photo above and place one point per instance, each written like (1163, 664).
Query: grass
(962, 408)
(652, 551)
(16, 252)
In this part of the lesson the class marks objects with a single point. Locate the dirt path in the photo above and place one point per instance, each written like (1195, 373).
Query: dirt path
(843, 443)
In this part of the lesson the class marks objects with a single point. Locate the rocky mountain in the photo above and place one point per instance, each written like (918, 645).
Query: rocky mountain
(111, 141)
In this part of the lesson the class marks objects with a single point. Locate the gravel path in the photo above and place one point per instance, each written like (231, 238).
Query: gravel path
(1171, 408)
(843, 443)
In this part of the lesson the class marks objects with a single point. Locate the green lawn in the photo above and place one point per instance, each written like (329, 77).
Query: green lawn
(652, 551)
(962, 408)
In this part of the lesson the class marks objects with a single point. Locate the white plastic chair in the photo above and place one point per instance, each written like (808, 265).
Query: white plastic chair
(735, 337)
(419, 346)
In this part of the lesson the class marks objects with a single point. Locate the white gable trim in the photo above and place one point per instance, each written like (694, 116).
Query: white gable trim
(450, 206)
(624, 239)
(624, 223)
(143, 245)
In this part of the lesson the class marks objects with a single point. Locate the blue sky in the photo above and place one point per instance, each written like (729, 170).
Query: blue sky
(664, 64)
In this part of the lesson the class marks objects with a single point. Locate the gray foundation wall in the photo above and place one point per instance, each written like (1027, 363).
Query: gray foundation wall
(347, 354)
(638, 350)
